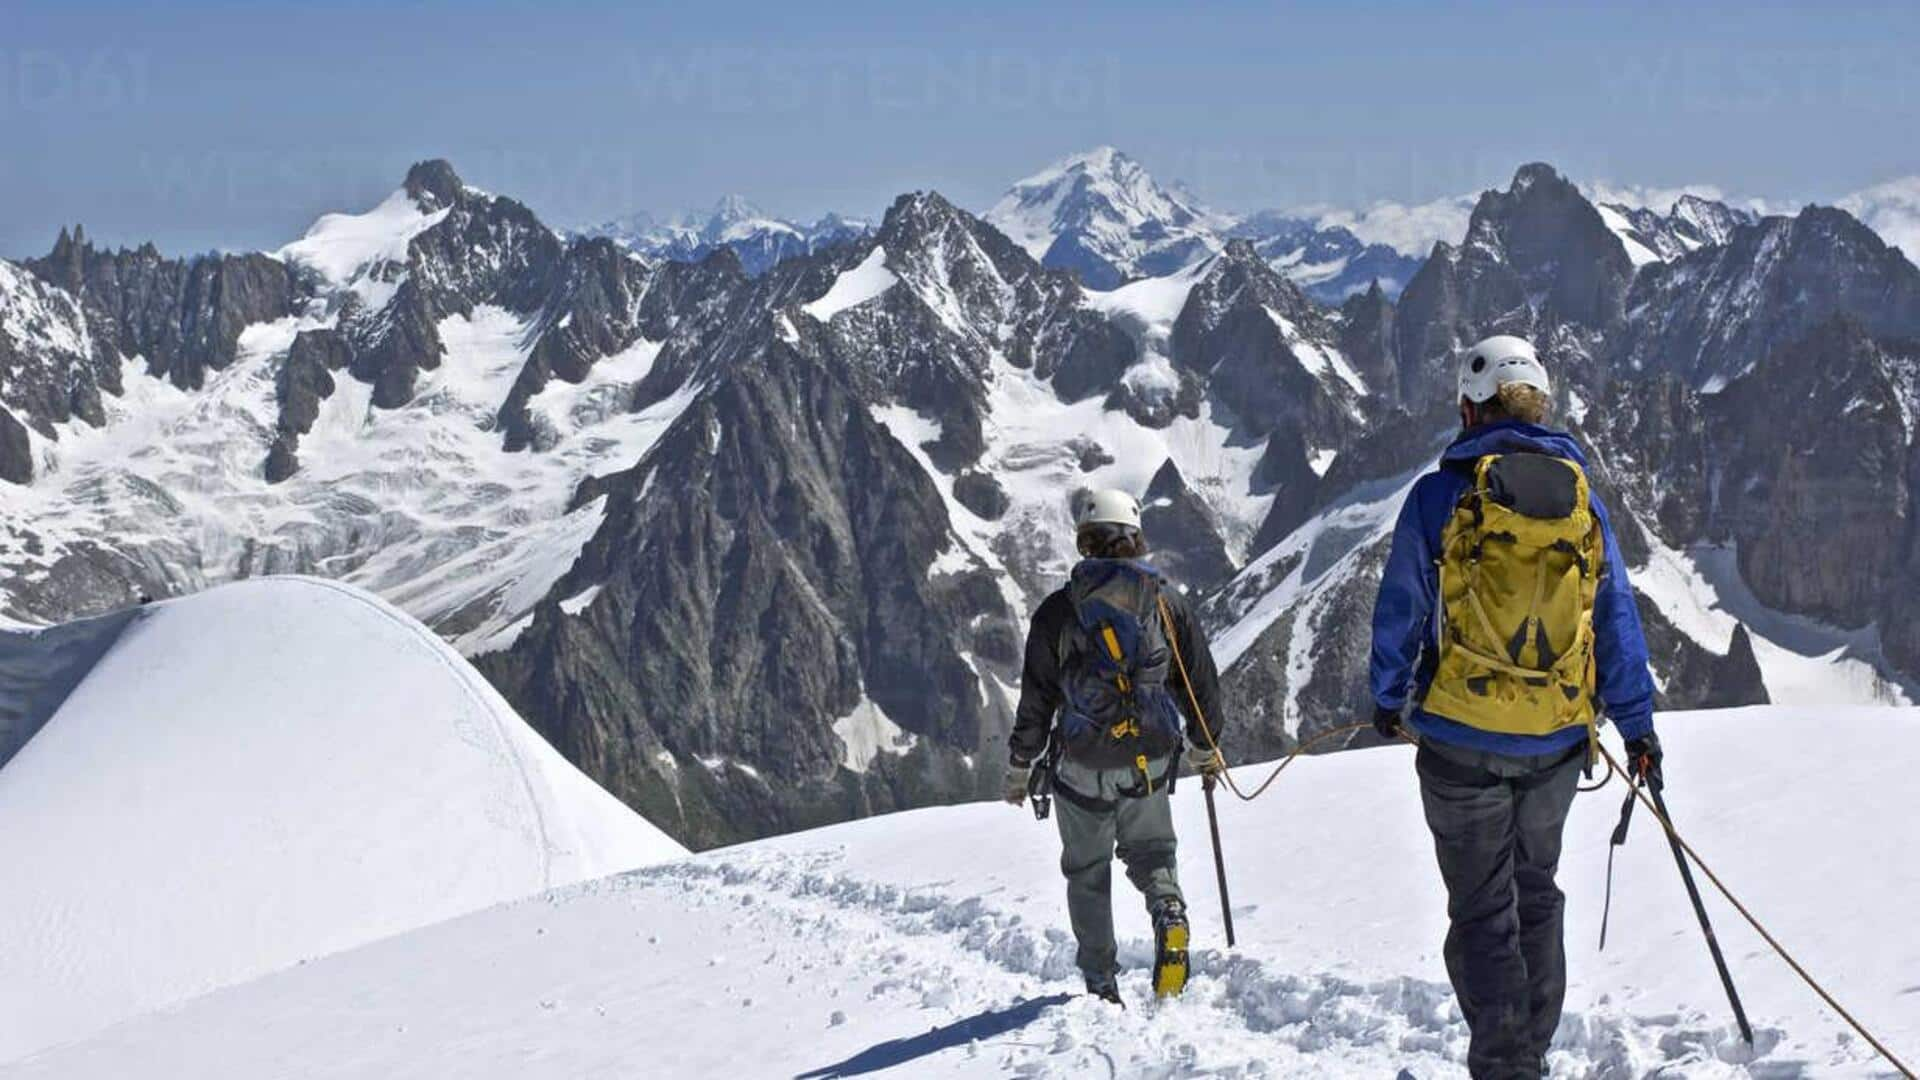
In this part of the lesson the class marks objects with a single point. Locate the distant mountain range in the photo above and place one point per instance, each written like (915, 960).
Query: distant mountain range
(753, 545)
(758, 238)
(1101, 216)
(1097, 214)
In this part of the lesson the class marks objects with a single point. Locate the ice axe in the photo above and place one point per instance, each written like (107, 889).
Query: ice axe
(1219, 860)
(1654, 785)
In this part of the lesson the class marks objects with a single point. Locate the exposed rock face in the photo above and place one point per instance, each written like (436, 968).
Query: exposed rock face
(1255, 336)
(981, 493)
(1535, 255)
(1308, 672)
(1651, 447)
(1695, 676)
(1711, 315)
(305, 380)
(1736, 679)
(51, 368)
(183, 315)
(1824, 511)
(1185, 536)
(767, 567)
(1367, 339)
(16, 450)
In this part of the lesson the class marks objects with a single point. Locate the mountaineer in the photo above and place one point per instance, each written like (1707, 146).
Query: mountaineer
(1505, 626)
(1113, 661)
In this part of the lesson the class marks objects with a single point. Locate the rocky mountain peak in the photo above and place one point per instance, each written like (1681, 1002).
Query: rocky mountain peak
(1712, 221)
(1239, 274)
(1374, 299)
(1846, 234)
(917, 213)
(1542, 221)
(65, 265)
(433, 184)
(1240, 251)
(1537, 173)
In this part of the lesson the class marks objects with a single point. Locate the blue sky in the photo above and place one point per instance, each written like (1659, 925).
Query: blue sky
(202, 125)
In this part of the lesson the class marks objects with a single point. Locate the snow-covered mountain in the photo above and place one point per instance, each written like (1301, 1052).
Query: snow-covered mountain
(1327, 260)
(1100, 215)
(758, 238)
(868, 948)
(756, 550)
(235, 782)
(1693, 222)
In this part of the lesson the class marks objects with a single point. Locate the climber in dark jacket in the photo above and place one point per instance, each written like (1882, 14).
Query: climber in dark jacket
(1103, 806)
(1497, 801)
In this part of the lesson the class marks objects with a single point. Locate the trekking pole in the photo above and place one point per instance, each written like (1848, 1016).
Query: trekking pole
(1219, 860)
(1653, 787)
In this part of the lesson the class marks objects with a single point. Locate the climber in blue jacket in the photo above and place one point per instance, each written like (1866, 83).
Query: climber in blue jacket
(1496, 799)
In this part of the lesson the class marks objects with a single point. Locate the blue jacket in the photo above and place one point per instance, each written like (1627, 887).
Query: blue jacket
(1403, 625)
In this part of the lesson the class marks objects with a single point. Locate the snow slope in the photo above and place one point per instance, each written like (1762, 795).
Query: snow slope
(261, 774)
(869, 947)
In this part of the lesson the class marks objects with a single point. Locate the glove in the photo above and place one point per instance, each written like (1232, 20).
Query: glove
(1643, 759)
(1204, 761)
(1387, 722)
(1015, 791)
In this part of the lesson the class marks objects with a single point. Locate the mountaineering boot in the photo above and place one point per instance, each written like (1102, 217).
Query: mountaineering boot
(1169, 947)
(1105, 987)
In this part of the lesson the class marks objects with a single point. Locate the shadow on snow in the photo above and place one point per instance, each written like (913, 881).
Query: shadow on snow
(894, 1052)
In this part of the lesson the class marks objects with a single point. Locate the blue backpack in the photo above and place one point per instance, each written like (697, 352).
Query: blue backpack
(1114, 661)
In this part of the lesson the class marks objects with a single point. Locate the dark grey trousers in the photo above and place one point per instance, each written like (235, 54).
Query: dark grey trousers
(1496, 823)
(1139, 829)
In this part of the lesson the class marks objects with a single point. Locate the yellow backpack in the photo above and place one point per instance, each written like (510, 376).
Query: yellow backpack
(1519, 565)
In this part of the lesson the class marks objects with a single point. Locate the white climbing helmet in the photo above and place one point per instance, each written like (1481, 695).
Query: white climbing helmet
(1492, 363)
(1105, 506)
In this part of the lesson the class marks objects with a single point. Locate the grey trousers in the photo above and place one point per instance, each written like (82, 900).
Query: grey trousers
(1496, 823)
(1139, 829)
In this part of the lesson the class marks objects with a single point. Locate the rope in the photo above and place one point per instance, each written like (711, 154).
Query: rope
(1640, 793)
(1206, 729)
